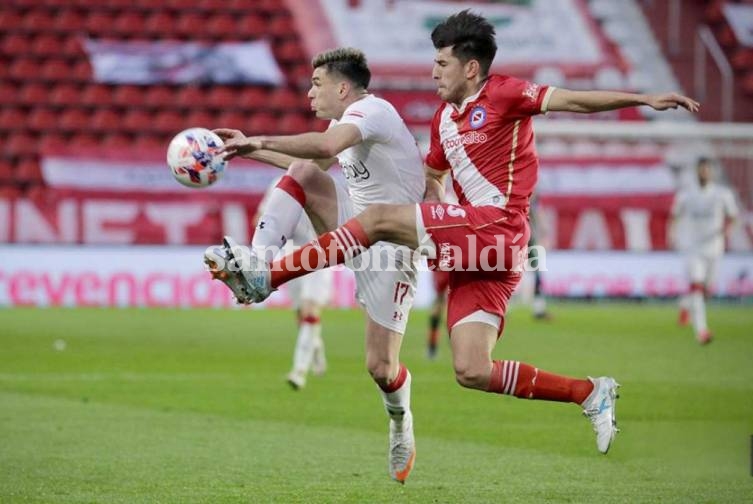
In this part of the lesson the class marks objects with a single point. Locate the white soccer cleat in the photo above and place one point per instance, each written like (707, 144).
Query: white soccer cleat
(241, 270)
(599, 407)
(296, 380)
(402, 448)
(217, 260)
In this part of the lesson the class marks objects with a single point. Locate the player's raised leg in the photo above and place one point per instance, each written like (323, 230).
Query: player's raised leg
(472, 344)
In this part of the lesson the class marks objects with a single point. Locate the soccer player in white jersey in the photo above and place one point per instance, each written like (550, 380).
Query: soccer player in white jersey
(482, 135)
(381, 164)
(309, 294)
(709, 210)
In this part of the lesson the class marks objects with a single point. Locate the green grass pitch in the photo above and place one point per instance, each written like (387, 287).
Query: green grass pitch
(171, 406)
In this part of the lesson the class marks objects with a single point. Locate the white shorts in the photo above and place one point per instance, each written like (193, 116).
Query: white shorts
(315, 287)
(386, 294)
(702, 268)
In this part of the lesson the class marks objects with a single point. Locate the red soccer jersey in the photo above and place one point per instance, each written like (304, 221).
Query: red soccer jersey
(488, 143)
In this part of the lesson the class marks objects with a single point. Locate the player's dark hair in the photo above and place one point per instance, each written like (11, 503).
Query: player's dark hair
(703, 160)
(347, 62)
(471, 37)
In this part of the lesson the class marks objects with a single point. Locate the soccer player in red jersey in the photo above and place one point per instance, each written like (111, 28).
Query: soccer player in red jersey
(482, 135)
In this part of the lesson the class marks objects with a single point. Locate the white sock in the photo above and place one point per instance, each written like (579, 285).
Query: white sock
(698, 310)
(685, 302)
(397, 403)
(277, 223)
(304, 348)
(539, 305)
(318, 350)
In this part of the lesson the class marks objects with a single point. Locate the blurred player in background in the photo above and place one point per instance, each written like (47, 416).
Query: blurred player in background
(309, 295)
(708, 210)
(483, 136)
(538, 305)
(441, 283)
(381, 164)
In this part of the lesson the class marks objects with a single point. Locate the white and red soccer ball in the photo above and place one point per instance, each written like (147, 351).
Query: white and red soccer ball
(193, 157)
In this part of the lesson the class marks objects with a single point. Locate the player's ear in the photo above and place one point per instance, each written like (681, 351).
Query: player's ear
(343, 88)
(472, 69)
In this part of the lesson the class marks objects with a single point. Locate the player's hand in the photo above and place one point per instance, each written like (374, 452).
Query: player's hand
(236, 143)
(668, 101)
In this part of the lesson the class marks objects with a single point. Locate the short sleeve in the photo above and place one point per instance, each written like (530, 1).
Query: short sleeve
(519, 98)
(436, 159)
(730, 206)
(370, 119)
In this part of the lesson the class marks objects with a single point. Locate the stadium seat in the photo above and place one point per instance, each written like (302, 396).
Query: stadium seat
(20, 144)
(95, 95)
(24, 69)
(191, 97)
(84, 141)
(128, 96)
(38, 21)
(8, 93)
(117, 141)
(10, 20)
(234, 119)
(159, 96)
(106, 119)
(42, 119)
(34, 93)
(168, 122)
(293, 123)
(6, 173)
(65, 94)
(222, 26)
(11, 118)
(261, 123)
(69, 21)
(52, 143)
(221, 97)
(73, 120)
(253, 98)
(190, 25)
(158, 24)
(46, 44)
(56, 70)
(82, 71)
(28, 171)
(137, 120)
(251, 26)
(129, 24)
(15, 44)
(201, 118)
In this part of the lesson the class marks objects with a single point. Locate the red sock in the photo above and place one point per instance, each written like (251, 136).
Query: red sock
(329, 249)
(525, 381)
(395, 384)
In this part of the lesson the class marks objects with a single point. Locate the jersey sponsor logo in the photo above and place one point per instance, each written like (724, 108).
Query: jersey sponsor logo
(454, 211)
(477, 118)
(437, 212)
(357, 172)
(531, 91)
(472, 137)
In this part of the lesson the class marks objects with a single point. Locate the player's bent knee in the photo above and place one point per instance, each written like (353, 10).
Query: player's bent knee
(303, 171)
(469, 377)
(380, 371)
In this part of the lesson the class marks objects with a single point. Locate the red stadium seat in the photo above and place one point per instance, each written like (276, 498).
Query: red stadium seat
(128, 96)
(6, 173)
(85, 141)
(38, 20)
(29, 172)
(202, 119)
(52, 143)
(42, 119)
(99, 23)
(24, 69)
(20, 144)
(222, 26)
(95, 95)
(168, 122)
(65, 94)
(10, 20)
(129, 24)
(292, 124)
(106, 119)
(159, 96)
(261, 123)
(252, 26)
(117, 141)
(233, 119)
(69, 21)
(191, 25)
(82, 71)
(12, 118)
(55, 70)
(8, 93)
(34, 94)
(73, 120)
(191, 97)
(16, 44)
(46, 44)
(284, 99)
(159, 24)
(253, 98)
(222, 97)
(137, 121)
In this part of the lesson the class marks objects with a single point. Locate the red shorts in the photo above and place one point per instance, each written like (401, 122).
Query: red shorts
(484, 249)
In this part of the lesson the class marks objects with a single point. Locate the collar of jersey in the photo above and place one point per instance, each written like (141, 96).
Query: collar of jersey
(468, 100)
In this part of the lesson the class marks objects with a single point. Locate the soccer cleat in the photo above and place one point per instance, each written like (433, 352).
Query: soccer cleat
(402, 448)
(683, 318)
(431, 351)
(253, 268)
(232, 279)
(599, 407)
(704, 337)
(296, 380)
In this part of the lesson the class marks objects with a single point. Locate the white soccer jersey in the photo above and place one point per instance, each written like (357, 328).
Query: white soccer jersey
(705, 210)
(386, 167)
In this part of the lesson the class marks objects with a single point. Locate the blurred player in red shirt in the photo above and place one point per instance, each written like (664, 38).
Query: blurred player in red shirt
(482, 135)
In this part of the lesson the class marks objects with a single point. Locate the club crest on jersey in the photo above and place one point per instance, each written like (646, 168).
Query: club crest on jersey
(477, 117)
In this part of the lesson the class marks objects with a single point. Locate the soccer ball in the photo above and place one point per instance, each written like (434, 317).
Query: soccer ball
(192, 157)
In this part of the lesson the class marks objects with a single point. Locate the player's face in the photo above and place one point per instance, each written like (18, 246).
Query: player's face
(449, 74)
(325, 95)
(704, 173)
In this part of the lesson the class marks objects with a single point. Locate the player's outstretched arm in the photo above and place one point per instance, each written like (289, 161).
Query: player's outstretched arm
(435, 183)
(251, 150)
(598, 101)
